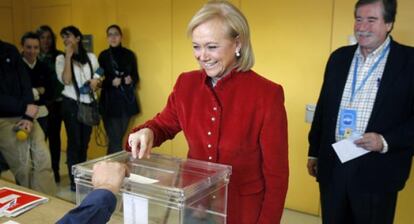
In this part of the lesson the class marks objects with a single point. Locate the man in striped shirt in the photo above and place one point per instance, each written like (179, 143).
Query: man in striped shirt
(367, 96)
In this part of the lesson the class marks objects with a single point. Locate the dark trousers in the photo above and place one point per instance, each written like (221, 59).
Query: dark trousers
(115, 128)
(54, 127)
(342, 203)
(78, 135)
(43, 122)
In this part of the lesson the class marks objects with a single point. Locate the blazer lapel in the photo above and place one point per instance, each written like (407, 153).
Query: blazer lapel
(391, 71)
(343, 68)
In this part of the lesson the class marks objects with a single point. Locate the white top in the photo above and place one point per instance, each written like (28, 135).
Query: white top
(82, 74)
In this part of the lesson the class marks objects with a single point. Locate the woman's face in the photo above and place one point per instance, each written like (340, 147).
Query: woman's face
(214, 49)
(45, 41)
(114, 37)
(70, 40)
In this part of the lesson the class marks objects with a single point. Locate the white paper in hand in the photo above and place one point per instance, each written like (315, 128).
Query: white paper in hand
(347, 150)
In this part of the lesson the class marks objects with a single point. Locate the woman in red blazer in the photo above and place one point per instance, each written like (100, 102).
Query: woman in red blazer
(229, 115)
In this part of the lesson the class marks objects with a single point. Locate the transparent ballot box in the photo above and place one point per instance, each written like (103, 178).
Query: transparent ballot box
(164, 189)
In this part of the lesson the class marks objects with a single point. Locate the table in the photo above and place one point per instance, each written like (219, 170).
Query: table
(49, 212)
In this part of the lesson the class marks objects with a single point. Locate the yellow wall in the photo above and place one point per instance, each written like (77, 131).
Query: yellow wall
(292, 41)
(6, 21)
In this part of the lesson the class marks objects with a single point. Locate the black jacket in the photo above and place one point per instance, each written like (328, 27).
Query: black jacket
(15, 87)
(392, 116)
(118, 62)
(40, 76)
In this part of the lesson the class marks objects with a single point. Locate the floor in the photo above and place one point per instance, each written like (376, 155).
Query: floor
(294, 217)
(289, 216)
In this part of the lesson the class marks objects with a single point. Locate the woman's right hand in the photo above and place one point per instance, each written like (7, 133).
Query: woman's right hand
(116, 82)
(141, 143)
(69, 50)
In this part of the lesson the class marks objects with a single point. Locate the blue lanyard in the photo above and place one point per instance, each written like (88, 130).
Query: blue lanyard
(370, 71)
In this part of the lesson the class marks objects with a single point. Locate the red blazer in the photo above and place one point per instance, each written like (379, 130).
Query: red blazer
(240, 122)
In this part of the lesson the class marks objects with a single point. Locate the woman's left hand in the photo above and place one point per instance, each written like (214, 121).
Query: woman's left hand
(94, 84)
(128, 80)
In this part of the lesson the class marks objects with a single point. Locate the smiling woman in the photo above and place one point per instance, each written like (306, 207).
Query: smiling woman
(214, 49)
(238, 118)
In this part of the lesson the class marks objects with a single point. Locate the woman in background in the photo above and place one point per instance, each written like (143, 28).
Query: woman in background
(76, 70)
(48, 54)
(118, 102)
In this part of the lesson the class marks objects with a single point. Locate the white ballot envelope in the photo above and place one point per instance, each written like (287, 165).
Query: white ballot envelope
(141, 179)
(135, 209)
(347, 150)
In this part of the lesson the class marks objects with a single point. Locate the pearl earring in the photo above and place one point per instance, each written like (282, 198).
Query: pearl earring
(237, 53)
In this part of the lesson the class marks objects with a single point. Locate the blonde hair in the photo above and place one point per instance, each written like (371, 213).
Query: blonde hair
(237, 26)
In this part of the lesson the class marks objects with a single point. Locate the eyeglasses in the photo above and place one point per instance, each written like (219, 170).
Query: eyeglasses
(113, 34)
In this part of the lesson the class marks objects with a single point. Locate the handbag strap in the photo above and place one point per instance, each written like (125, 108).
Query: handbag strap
(114, 64)
(75, 83)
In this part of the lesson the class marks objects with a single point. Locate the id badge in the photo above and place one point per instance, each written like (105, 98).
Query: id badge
(347, 122)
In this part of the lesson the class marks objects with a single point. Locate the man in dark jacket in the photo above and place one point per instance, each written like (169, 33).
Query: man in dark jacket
(366, 102)
(26, 151)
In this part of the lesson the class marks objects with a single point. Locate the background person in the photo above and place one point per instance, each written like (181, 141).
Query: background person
(48, 54)
(117, 101)
(229, 114)
(76, 67)
(28, 158)
(373, 82)
(39, 74)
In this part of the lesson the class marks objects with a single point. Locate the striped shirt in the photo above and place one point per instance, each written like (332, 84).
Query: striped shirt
(364, 98)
